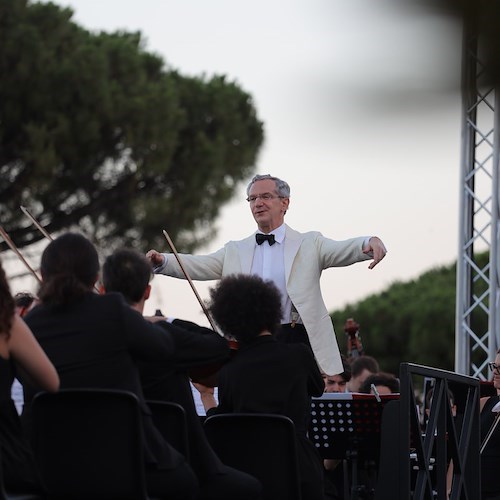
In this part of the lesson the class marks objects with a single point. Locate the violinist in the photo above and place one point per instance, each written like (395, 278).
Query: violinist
(128, 272)
(490, 456)
(19, 352)
(293, 261)
(265, 376)
(96, 341)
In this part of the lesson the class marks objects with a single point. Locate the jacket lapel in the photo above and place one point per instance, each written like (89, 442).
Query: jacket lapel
(293, 240)
(246, 250)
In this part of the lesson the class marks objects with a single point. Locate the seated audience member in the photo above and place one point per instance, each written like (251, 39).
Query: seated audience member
(338, 383)
(265, 376)
(385, 383)
(361, 367)
(129, 272)
(490, 457)
(19, 351)
(96, 341)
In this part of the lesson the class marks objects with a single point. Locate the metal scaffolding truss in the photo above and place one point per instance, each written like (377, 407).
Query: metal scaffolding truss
(477, 316)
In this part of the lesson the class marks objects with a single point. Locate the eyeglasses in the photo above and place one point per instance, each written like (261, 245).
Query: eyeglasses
(494, 368)
(263, 197)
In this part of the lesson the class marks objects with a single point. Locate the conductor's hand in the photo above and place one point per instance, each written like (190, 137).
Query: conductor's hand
(376, 249)
(156, 258)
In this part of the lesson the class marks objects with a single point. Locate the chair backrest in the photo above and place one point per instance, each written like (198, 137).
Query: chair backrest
(170, 419)
(89, 444)
(263, 445)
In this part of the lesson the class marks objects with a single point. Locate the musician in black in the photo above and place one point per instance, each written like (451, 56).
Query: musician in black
(385, 383)
(265, 376)
(128, 272)
(361, 368)
(95, 341)
(490, 457)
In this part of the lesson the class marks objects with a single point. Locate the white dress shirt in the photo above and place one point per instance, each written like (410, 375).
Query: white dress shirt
(269, 263)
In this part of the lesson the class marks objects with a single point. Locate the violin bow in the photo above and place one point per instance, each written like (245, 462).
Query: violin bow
(36, 223)
(13, 247)
(44, 232)
(186, 275)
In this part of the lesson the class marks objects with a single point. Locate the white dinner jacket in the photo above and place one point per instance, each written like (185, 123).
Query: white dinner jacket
(306, 256)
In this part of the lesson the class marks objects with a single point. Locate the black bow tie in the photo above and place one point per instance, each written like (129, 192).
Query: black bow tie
(260, 238)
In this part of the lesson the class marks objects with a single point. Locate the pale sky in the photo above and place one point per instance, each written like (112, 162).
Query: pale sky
(362, 118)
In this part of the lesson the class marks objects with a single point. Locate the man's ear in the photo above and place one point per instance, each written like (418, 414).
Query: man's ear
(147, 292)
(285, 202)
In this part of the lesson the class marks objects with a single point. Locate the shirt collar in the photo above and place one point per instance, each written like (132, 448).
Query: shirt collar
(279, 233)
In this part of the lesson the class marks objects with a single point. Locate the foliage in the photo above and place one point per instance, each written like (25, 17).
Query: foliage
(412, 321)
(97, 134)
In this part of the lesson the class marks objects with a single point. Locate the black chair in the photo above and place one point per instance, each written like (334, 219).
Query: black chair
(170, 419)
(89, 444)
(263, 445)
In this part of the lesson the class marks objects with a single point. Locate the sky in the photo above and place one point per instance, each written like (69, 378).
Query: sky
(362, 117)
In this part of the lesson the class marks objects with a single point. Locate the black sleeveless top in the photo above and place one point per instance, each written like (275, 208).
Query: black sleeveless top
(18, 464)
(490, 458)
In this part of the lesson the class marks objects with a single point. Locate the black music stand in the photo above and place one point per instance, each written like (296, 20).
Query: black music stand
(346, 426)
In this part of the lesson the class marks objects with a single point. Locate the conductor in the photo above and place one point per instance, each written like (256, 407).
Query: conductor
(294, 261)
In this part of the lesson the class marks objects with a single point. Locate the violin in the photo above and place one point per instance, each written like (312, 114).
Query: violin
(207, 374)
(354, 344)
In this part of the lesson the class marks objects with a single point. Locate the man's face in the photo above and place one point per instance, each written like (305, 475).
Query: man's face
(334, 383)
(496, 376)
(269, 214)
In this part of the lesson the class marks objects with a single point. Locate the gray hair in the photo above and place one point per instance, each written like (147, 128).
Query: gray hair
(282, 187)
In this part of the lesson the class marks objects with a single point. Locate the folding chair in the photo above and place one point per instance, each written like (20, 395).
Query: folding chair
(263, 445)
(89, 444)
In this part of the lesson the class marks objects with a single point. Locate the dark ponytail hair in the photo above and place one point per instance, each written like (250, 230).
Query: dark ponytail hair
(69, 267)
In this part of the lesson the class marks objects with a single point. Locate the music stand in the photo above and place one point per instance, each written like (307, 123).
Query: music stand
(346, 426)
